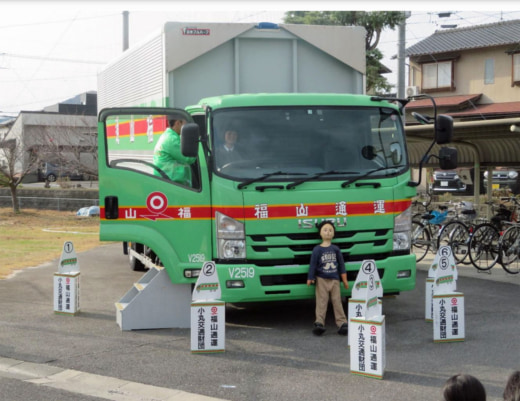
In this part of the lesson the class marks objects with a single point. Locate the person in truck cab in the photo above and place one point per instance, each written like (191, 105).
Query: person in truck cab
(228, 152)
(168, 156)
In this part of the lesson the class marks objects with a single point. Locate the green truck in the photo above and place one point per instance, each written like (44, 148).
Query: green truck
(304, 158)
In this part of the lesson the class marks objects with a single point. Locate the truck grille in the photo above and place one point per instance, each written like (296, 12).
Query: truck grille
(296, 249)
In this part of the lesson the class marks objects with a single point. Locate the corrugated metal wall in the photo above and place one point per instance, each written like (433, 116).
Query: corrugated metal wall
(261, 65)
(139, 76)
(215, 59)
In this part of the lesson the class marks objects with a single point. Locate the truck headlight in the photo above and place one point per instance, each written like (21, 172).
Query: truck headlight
(402, 229)
(231, 240)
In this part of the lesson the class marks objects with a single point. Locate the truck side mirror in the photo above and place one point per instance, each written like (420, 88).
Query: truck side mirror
(443, 129)
(448, 158)
(190, 140)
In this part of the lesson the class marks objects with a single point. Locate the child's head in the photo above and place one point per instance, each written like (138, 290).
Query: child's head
(326, 226)
(512, 390)
(464, 387)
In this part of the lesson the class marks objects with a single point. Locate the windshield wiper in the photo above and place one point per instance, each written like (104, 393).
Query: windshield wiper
(315, 176)
(354, 179)
(264, 177)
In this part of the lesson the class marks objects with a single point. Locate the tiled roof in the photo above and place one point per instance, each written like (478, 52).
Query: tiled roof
(444, 101)
(490, 35)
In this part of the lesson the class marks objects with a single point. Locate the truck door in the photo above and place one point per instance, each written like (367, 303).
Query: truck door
(144, 199)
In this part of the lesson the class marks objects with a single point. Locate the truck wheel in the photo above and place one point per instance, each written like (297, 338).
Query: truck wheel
(51, 177)
(135, 264)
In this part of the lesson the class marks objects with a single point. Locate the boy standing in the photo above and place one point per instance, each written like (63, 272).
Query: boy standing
(326, 269)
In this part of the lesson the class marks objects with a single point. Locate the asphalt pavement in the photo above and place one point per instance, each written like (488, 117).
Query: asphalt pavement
(270, 353)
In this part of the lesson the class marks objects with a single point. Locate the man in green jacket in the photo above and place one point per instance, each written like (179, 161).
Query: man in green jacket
(168, 156)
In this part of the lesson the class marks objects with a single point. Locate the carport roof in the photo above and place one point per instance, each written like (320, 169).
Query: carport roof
(507, 108)
(488, 142)
(444, 101)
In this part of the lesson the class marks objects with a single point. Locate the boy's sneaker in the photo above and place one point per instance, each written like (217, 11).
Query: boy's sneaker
(343, 330)
(318, 329)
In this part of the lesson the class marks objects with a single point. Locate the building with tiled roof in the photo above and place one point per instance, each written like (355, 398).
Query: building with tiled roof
(504, 33)
(468, 68)
(473, 75)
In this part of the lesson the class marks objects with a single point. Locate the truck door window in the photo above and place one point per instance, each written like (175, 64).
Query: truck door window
(131, 140)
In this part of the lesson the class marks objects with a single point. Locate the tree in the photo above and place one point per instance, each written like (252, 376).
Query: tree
(69, 141)
(16, 161)
(374, 22)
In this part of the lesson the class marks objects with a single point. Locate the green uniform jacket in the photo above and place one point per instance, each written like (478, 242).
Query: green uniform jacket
(168, 157)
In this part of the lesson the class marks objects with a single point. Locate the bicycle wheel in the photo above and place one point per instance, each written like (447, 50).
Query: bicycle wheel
(510, 250)
(484, 247)
(455, 234)
(420, 240)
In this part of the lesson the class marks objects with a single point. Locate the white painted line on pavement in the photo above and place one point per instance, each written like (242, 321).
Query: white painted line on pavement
(108, 388)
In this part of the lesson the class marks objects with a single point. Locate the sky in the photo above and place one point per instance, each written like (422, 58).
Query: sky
(51, 51)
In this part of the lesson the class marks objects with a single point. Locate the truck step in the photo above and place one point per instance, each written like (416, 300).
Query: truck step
(154, 302)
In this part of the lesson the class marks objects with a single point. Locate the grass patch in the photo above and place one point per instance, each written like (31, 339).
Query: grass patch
(35, 236)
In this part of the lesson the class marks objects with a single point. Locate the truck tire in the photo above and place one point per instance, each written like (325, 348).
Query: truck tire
(135, 264)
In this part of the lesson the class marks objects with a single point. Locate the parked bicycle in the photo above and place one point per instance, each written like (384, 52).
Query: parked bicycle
(484, 246)
(509, 249)
(456, 234)
(425, 232)
(489, 243)
(509, 244)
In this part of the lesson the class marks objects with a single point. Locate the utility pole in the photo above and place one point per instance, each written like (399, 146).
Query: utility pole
(125, 30)
(401, 56)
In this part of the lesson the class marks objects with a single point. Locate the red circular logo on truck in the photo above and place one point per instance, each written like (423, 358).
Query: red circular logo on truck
(157, 202)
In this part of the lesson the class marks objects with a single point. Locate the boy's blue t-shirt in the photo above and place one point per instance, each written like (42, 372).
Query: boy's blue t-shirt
(326, 262)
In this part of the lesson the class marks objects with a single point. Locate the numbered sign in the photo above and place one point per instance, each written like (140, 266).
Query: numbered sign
(208, 284)
(68, 261)
(446, 272)
(365, 294)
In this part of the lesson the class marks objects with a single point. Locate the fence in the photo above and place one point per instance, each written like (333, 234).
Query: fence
(51, 199)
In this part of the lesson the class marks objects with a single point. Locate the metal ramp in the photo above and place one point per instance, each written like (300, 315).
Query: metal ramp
(154, 302)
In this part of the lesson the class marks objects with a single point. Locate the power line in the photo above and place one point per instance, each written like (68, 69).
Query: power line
(60, 78)
(55, 22)
(61, 60)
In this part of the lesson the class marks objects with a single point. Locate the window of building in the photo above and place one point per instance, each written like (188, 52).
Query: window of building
(516, 68)
(489, 71)
(438, 75)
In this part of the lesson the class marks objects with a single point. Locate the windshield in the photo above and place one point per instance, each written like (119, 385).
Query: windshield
(292, 143)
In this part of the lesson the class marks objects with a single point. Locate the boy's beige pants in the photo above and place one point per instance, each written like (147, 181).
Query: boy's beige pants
(325, 289)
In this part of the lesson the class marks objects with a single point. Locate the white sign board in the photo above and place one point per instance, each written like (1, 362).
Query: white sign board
(368, 347)
(68, 260)
(428, 305)
(208, 284)
(448, 317)
(208, 322)
(446, 272)
(442, 278)
(367, 280)
(368, 271)
(66, 293)
(356, 310)
(208, 315)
